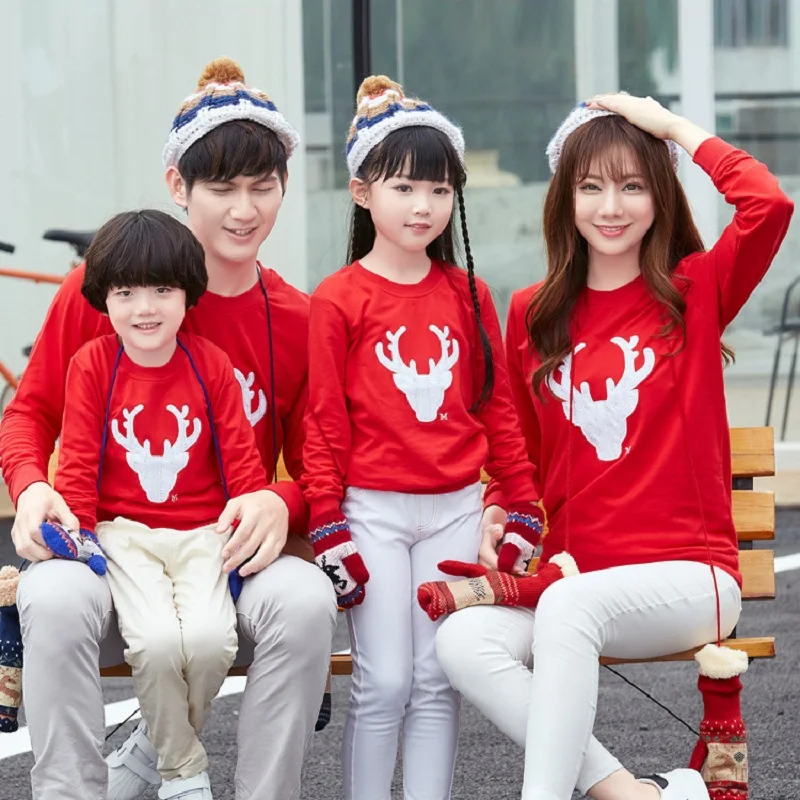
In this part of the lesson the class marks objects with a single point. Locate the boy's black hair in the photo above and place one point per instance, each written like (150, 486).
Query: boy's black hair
(422, 153)
(238, 147)
(143, 248)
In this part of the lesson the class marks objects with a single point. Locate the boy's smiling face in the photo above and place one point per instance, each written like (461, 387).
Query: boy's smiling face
(231, 219)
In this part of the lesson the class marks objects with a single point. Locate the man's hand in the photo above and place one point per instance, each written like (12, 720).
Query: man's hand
(37, 503)
(261, 533)
(492, 527)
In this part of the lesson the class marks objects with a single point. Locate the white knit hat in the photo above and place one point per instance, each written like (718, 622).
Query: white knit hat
(381, 108)
(580, 115)
(222, 95)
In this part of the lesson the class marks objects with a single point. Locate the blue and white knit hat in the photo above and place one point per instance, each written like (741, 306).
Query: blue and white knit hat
(579, 116)
(381, 108)
(222, 95)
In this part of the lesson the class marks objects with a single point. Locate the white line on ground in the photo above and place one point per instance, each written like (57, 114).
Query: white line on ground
(13, 744)
(787, 563)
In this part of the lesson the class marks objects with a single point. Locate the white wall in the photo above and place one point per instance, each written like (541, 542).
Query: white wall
(90, 90)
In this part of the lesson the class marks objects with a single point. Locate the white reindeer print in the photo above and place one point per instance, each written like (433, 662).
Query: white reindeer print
(246, 385)
(157, 474)
(604, 423)
(425, 393)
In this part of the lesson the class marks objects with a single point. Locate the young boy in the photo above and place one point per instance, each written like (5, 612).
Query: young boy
(125, 395)
(226, 165)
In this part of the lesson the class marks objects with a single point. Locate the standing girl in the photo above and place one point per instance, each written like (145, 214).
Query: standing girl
(394, 450)
(616, 363)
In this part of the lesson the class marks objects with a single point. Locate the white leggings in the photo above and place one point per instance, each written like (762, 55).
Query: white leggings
(396, 675)
(639, 611)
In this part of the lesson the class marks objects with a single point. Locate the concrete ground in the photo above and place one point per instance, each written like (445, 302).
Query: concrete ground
(489, 767)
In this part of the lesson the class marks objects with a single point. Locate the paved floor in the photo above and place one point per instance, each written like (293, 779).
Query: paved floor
(643, 736)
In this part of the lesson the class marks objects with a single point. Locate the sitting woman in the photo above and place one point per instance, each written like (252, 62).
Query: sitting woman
(616, 361)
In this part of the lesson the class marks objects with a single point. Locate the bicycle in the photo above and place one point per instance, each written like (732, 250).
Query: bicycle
(80, 241)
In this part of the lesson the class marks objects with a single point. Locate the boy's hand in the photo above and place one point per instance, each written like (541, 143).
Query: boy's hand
(39, 502)
(263, 526)
(492, 526)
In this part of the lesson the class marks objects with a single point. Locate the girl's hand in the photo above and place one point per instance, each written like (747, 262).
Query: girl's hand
(643, 112)
(492, 526)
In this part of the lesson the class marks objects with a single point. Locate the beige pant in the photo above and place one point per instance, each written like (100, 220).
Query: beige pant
(178, 620)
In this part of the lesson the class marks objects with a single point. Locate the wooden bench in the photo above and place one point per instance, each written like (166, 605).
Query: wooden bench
(753, 456)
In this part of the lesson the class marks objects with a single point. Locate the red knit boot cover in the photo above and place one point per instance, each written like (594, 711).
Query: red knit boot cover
(720, 754)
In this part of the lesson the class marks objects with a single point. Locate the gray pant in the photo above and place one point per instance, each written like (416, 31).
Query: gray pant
(286, 617)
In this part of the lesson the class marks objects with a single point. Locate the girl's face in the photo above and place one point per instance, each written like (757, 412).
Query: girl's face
(613, 213)
(409, 214)
(147, 319)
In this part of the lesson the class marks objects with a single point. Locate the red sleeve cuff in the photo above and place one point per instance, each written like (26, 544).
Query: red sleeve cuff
(711, 152)
(493, 496)
(291, 494)
(23, 478)
(323, 513)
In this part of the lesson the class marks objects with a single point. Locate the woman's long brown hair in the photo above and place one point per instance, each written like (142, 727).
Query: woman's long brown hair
(672, 236)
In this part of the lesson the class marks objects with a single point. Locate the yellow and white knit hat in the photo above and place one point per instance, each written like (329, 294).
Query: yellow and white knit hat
(381, 108)
(222, 95)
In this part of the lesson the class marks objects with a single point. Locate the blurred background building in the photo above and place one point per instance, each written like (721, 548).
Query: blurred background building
(91, 87)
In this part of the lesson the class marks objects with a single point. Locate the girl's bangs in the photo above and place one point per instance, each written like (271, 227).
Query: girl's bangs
(418, 153)
(610, 146)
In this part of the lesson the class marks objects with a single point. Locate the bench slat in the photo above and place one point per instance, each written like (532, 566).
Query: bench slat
(342, 664)
(752, 452)
(758, 574)
(760, 647)
(754, 515)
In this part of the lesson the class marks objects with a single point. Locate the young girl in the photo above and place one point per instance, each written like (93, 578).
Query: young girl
(616, 363)
(154, 443)
(408, 399)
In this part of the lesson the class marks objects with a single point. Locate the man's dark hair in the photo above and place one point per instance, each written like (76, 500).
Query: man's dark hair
(144, 248)
(238, 147)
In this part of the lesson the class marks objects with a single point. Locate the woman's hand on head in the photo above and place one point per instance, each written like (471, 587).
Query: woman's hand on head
(643, 112)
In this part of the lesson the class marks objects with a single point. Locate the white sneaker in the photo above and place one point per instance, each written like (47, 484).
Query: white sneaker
(132, 767)
(198, 787)
(680, 784)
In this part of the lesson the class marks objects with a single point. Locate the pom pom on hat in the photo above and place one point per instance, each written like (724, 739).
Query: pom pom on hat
(375, 85)
(222, 96)
(580, 116)
(220, 70)
(381, 109)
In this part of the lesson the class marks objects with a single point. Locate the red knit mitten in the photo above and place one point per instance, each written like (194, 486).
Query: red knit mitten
(490, 587)
(336, 555)
(522, 534)
(720, 754)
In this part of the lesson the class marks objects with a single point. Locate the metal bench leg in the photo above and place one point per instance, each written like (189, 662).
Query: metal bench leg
(789, 385)
(774, 379)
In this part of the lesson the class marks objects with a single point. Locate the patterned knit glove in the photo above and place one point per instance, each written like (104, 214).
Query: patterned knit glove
(336, 555)
(489, 587)
(79, 545)
(522, 535)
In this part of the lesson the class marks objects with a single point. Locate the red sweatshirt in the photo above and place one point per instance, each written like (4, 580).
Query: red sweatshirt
(643, 472)
(160, 466)
(238, 325)
(393, 372)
